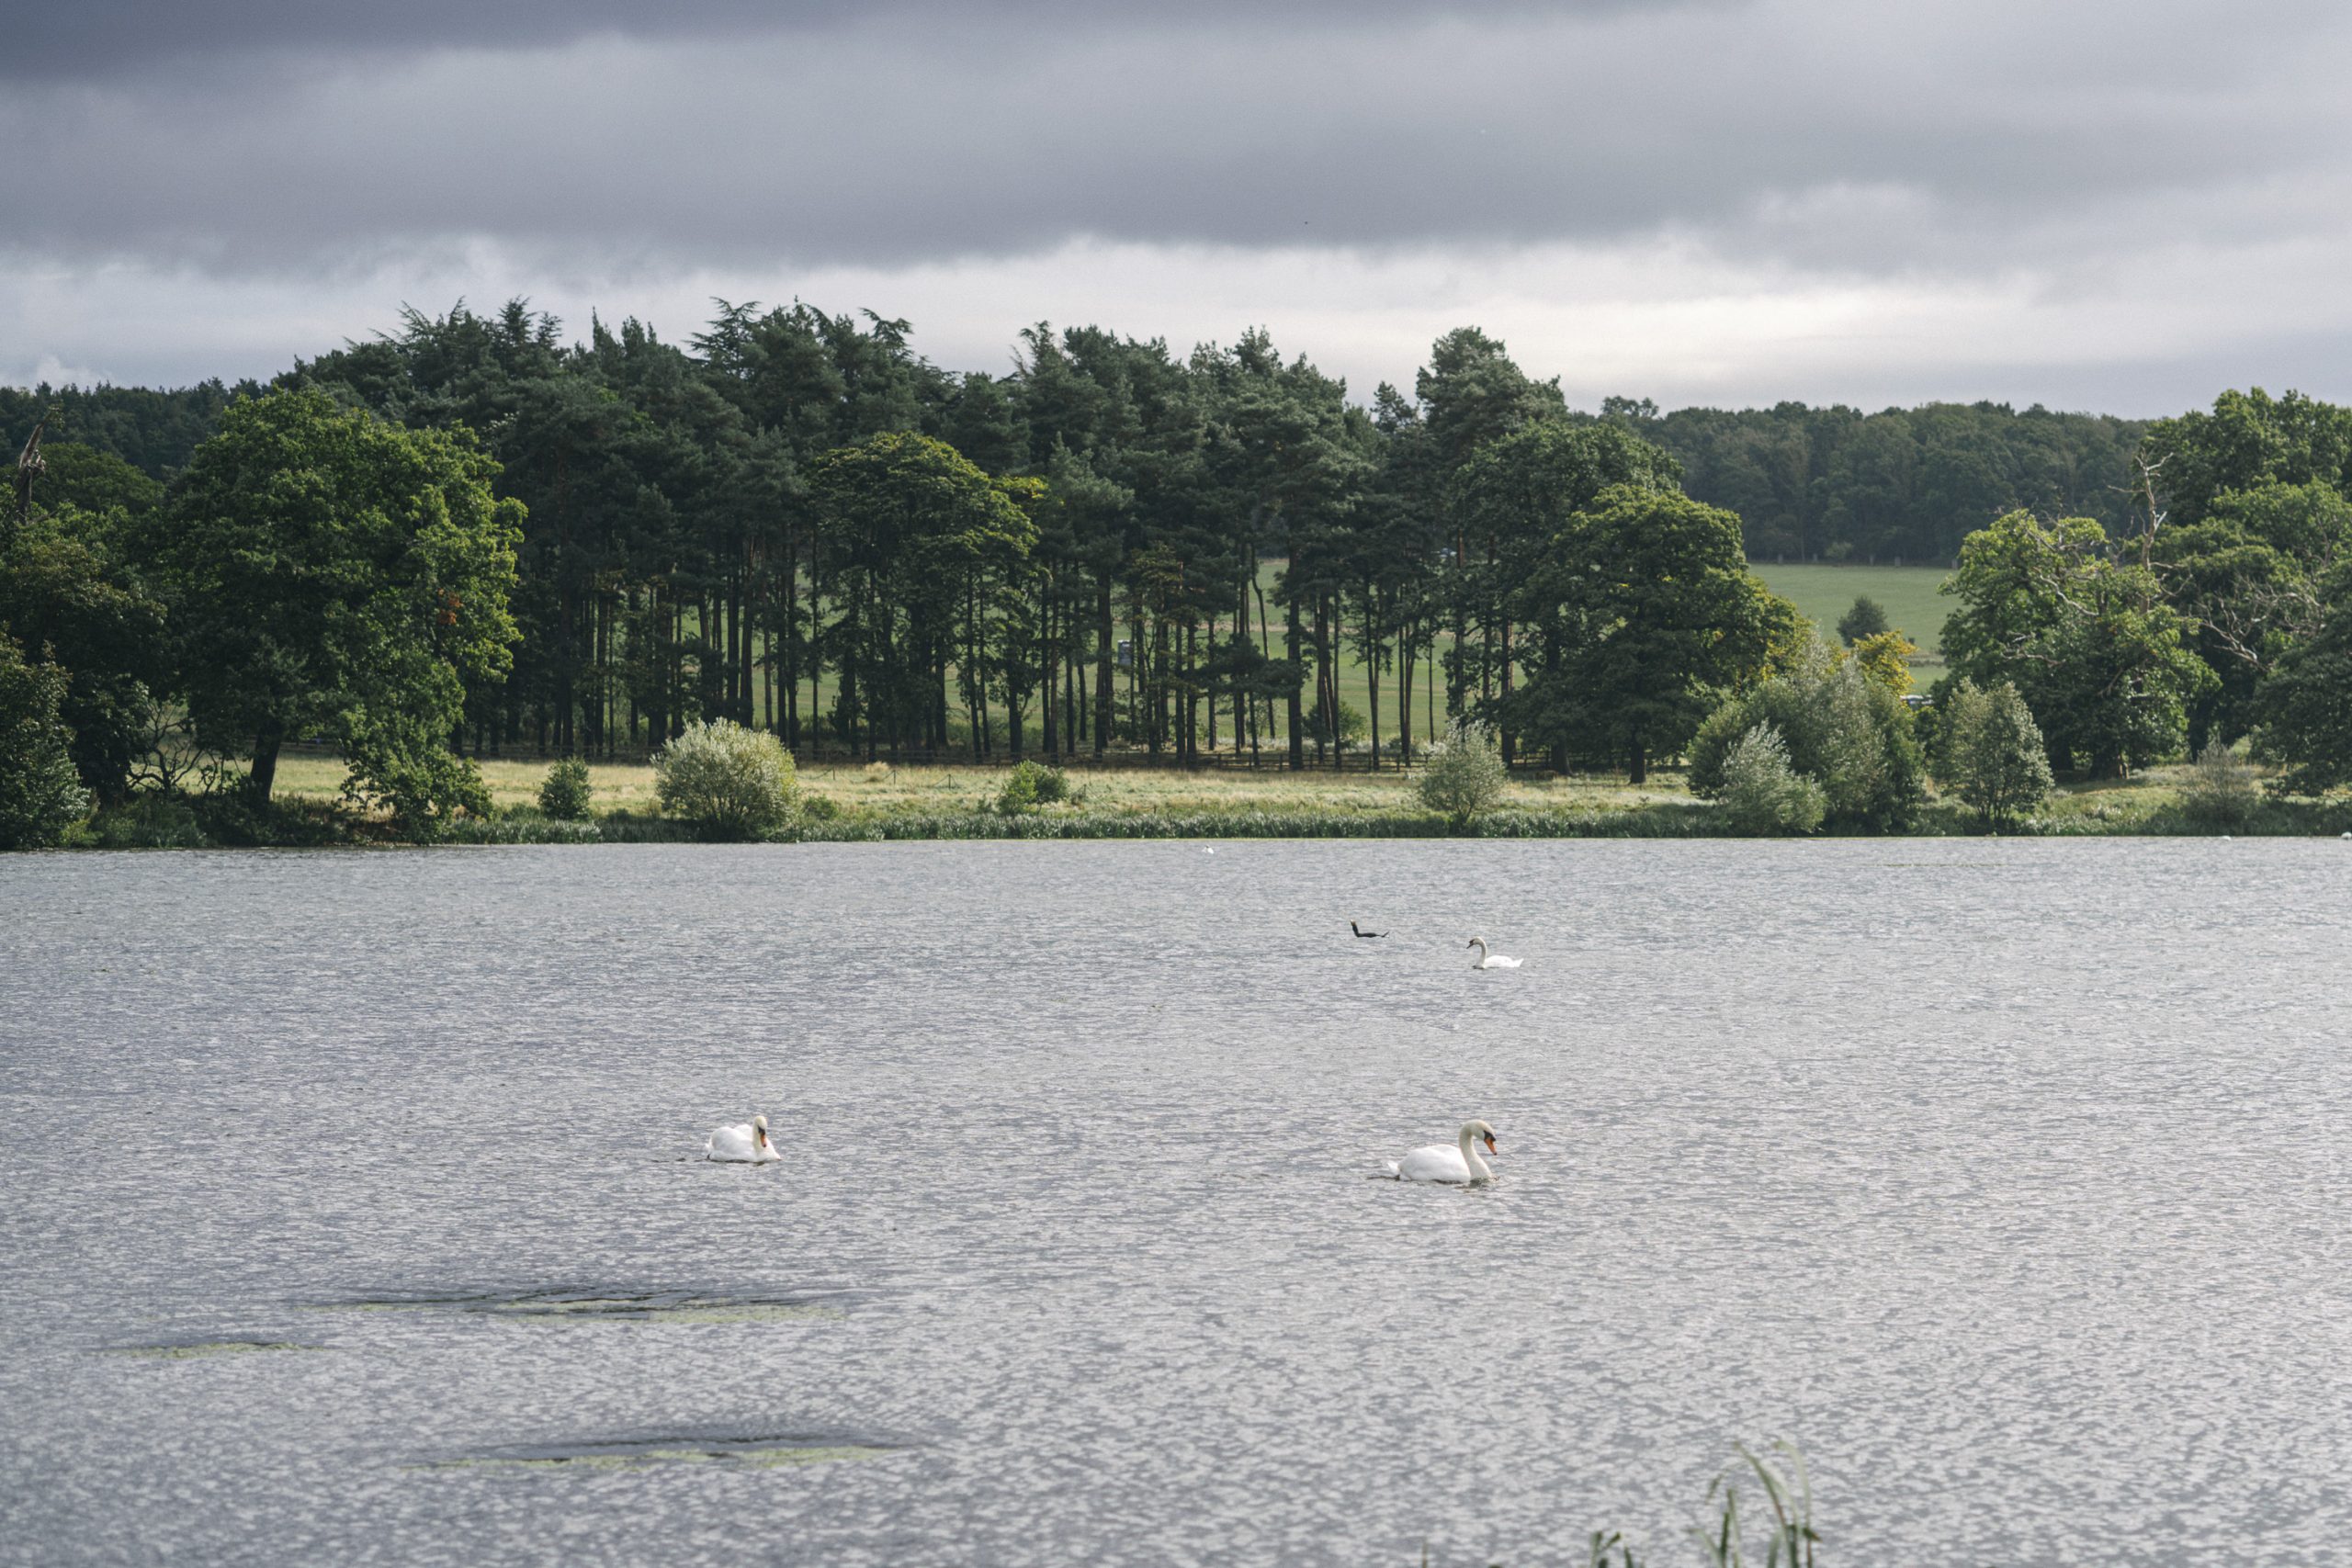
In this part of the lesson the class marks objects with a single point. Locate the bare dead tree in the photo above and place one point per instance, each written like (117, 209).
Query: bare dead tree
(30, 466)
(2143, 491)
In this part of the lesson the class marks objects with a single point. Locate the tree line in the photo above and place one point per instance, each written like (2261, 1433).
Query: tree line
(796, 521)
(1832, 483)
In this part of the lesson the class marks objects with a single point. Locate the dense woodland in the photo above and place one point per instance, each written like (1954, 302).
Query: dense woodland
(674, 563)
(794, 520)
(1832, 483)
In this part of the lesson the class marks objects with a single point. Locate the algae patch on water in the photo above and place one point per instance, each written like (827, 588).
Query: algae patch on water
(202, 1349)
(576, 1306)
(749, 1453)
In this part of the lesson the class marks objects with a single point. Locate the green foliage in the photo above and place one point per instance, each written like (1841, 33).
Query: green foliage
(1761, 793)
(1789, 1537)
(530, 828)
(926, 546)
(730, 782)
(1990, 752)
(566, 793)
(1644, 610)
(1885, 657)
(65, 585)
(90, 480)
(1788, 1493)
(758, 502)
(2250, 440)
(2303, 713)
(1846, 732)
(2250, 574)
(1525, 486)
(151, 429)
(1901, 484)
(40, 797)
(1351, 726)
(399, 759)
(1866, 619)
(237, 818)
(1608, 1549)
(152, 820)
(330, 574)
(2106, 667)
(2220, 791)
(1465, 775)
(1030, 785)
(1515, 504)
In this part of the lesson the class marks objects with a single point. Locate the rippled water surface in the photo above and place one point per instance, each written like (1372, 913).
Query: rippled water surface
(349, 1209)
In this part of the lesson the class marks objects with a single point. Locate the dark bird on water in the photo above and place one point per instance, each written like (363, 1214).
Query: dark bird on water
(1361, 931)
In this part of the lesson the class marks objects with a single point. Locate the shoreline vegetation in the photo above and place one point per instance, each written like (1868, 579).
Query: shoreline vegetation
(846, 803)
(1136, 560)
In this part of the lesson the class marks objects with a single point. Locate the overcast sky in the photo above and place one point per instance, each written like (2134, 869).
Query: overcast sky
(2120, 207)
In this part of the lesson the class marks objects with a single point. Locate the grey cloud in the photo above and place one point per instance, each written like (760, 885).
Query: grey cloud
(1826, 133)
(1954, 150)
(102, 38)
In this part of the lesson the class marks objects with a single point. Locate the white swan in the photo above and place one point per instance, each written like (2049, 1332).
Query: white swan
(1490, 960)
(744, 1141)
(1461, 1165)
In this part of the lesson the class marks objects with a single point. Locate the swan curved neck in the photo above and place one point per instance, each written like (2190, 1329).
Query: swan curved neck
(1478, 1167)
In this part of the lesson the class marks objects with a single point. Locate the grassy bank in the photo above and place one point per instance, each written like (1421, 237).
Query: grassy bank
(853, 805)
(1118, 791)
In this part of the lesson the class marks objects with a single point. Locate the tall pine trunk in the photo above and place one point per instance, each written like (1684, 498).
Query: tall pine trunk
(1291, 638)
(1102, 654)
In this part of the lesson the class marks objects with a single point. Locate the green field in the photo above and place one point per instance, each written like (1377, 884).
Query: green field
(1908, 594)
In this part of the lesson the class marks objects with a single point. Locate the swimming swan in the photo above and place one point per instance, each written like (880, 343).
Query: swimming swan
(1490, 960)
(744, 1141)
(1461, 1165)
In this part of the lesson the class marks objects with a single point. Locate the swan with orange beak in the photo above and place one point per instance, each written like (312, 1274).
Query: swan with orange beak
(1461, 1165)
(741, 1143)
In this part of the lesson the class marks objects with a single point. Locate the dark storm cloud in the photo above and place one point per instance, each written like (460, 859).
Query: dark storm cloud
(1828, 133)
(101, 37)
(2092, 194)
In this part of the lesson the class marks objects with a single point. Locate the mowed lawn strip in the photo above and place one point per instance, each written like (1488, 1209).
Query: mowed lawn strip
(1907, 595)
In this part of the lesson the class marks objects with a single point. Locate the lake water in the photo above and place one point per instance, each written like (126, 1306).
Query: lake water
(350, 1209)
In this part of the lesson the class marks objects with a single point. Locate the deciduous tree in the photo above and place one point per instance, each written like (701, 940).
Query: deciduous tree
(330, 574)
(39, 796)
(2106, 665)
(1650, 614)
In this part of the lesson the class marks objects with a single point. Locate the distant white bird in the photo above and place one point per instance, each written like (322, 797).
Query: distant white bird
(1460, 1164)
(744, 1143)
(1490, 960)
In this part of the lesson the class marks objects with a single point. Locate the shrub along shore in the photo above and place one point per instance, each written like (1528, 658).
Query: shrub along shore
(847, 804)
